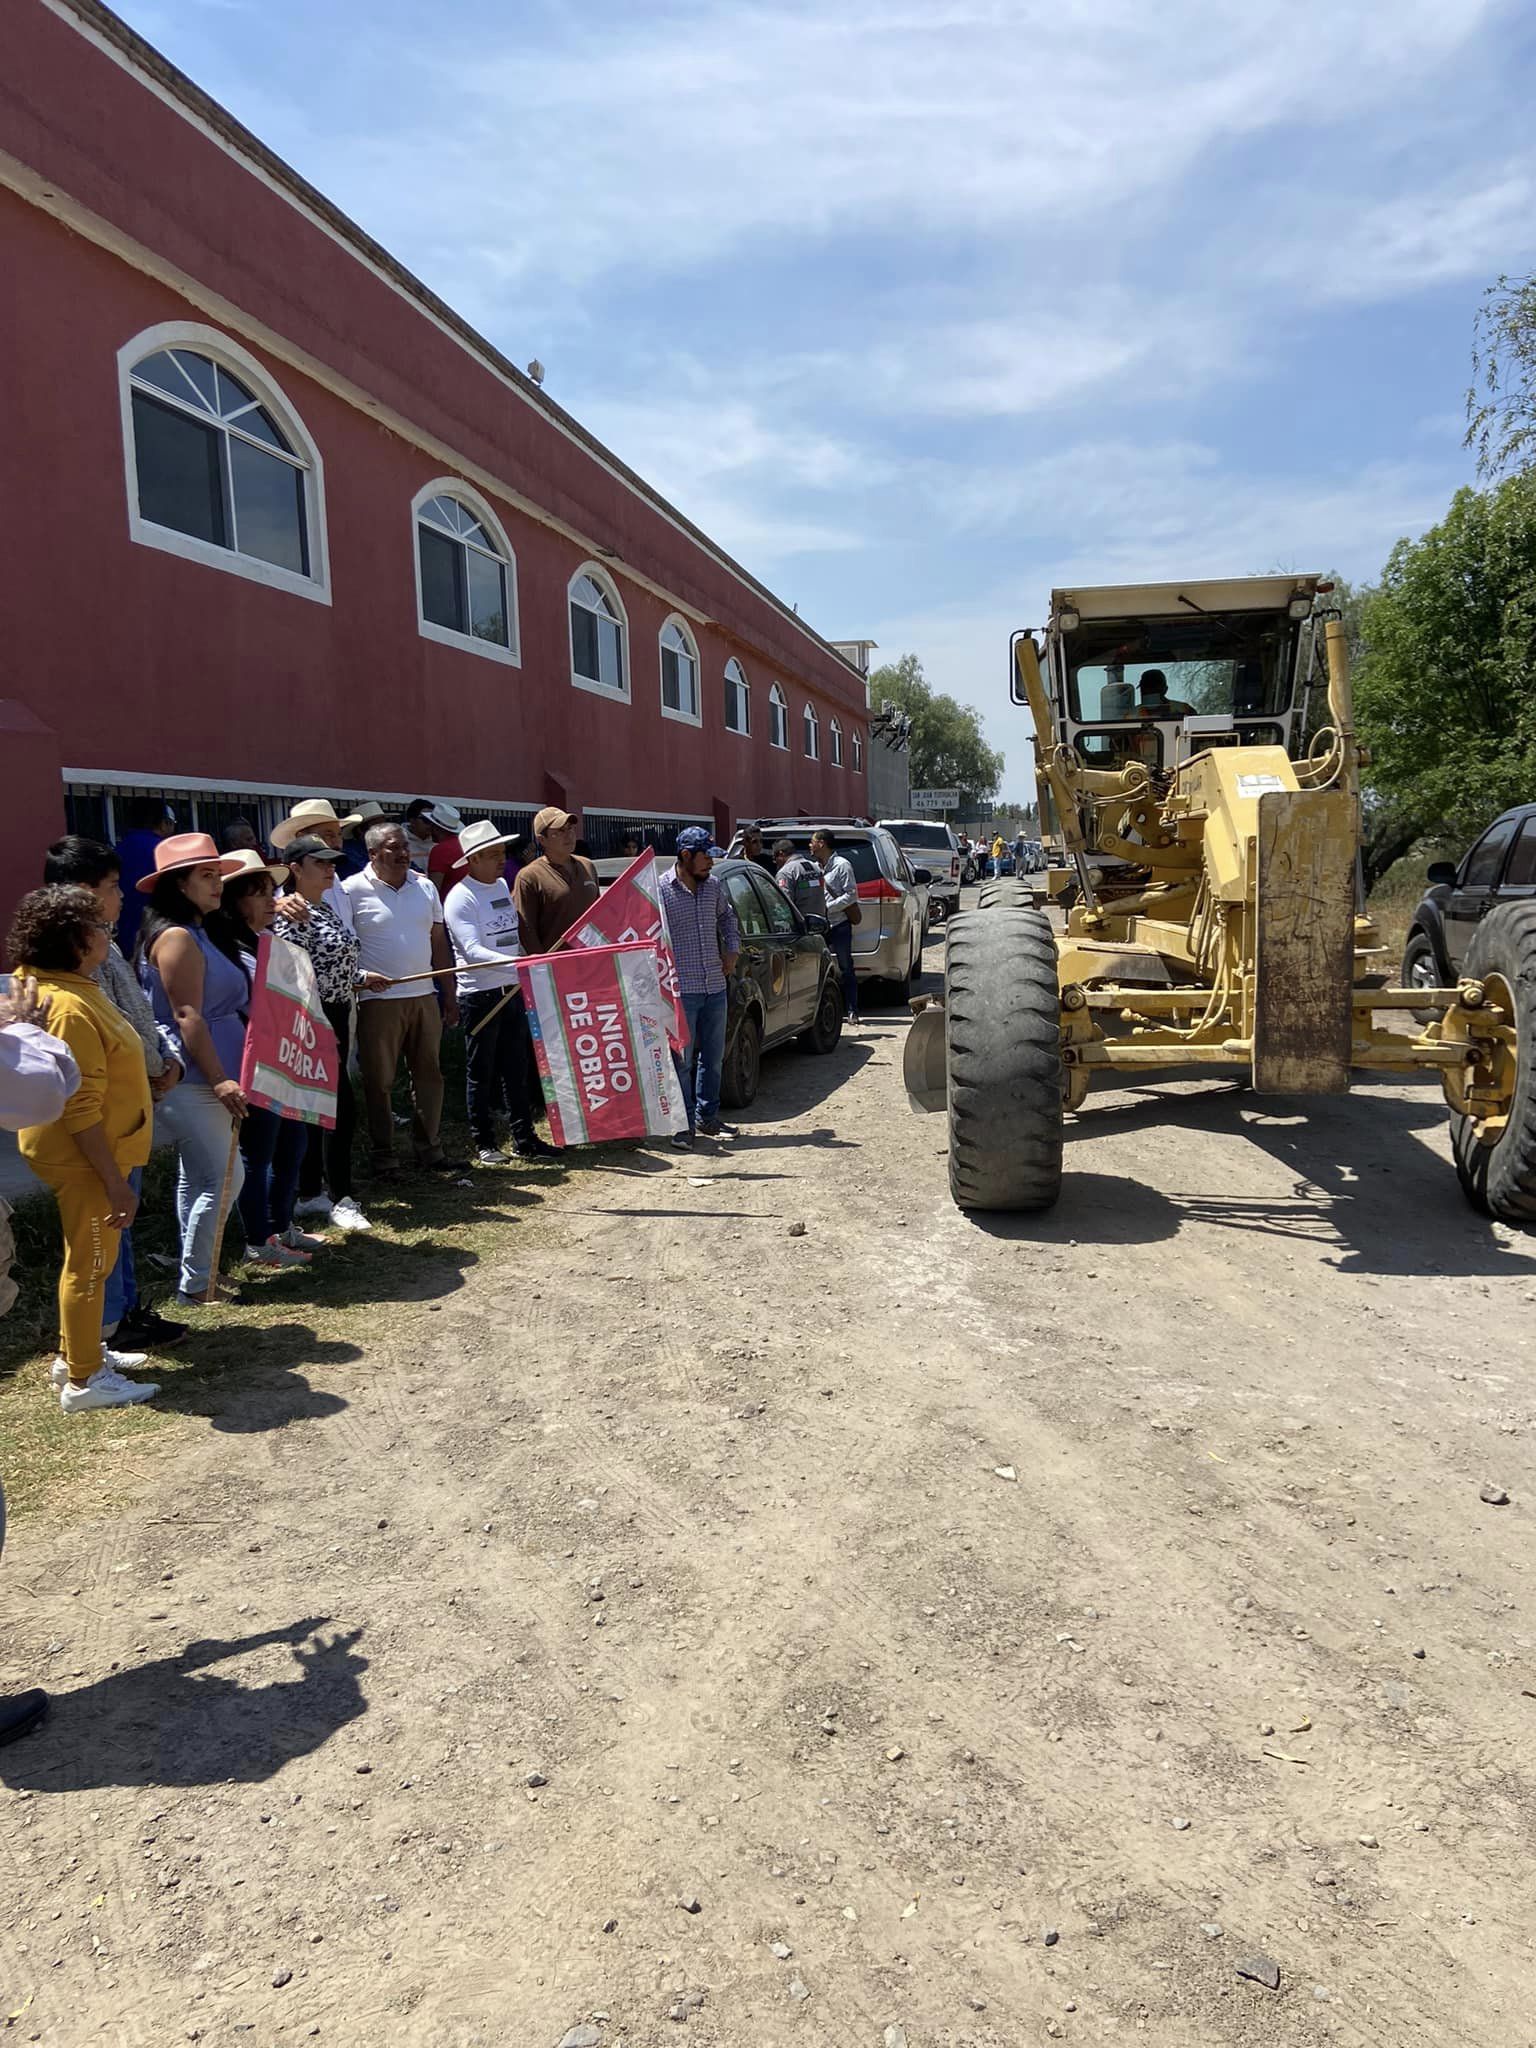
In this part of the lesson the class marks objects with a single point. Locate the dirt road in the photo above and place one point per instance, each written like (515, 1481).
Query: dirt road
(914, 1630)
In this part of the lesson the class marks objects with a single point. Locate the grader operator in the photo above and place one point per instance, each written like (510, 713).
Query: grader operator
(1212, 921)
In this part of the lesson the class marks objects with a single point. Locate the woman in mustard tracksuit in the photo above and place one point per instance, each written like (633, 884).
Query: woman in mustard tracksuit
(105, 1131)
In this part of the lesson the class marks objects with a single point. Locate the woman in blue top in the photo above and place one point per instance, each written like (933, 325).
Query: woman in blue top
(201, 993)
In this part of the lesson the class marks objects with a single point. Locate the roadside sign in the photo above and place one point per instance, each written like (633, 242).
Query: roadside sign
(935, 799)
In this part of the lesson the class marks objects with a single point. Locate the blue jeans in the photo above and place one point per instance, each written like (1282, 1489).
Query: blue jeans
(840, 939)
(122, 1292)
(272, 1148)
(699, 1064)
(199, 1125)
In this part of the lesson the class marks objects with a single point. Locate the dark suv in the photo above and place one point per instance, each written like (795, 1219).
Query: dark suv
(1500, 868)
(785, 986)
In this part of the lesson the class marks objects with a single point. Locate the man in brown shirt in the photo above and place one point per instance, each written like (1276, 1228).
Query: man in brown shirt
(557, 890)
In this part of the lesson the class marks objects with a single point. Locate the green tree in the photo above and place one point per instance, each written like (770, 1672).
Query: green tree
(1445, 686)
(947, 749)
(1501, 404)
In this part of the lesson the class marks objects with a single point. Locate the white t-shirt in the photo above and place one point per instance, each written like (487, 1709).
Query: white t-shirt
(482, 923)
(394, 930)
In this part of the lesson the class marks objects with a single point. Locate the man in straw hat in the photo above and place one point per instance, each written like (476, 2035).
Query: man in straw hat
(482, 923)
(315, 818)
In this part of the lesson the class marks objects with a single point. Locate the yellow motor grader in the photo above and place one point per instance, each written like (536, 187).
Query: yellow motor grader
(1211, 901)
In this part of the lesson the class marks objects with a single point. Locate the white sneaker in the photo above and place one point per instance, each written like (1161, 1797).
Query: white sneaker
(314, 1205)
(105, 1390)
(275, 1253)
(346, 1215)
(123, 1361)
(302, 1240)
(488, 1155)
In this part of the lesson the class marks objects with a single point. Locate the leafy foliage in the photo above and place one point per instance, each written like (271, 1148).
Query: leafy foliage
(1444, 690)
(1501, 404)
(947, 748)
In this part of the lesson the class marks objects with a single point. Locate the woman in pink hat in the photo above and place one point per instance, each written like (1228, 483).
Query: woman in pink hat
(200, 994)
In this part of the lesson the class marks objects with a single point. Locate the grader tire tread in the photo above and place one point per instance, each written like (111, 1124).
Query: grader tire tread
(1006, 895)
(1003, 1030)
(1501, 1179)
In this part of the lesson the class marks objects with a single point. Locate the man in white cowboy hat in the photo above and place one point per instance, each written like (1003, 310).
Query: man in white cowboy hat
(354, 851)
(482, 923)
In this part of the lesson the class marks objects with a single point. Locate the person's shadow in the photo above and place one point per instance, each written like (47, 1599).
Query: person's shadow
(162, 1724)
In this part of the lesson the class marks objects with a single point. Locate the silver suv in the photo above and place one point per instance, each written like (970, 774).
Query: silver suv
(893, 896)
(930, 843)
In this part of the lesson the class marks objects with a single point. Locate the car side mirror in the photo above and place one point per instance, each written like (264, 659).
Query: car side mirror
(1441, 874)
(819, 925)
(922, 874)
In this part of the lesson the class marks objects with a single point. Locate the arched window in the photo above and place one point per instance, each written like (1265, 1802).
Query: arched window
(778, 719)
(858, 752)
(836, 732)
(737, 699)
(679, 673)
(599, 634)
(466, 577)
(812, 733)
(220, 467)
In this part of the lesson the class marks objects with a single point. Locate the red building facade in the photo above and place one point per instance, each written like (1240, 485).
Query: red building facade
(274, 521)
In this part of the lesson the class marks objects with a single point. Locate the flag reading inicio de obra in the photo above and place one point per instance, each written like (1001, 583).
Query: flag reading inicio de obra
(631, 908)
(599, 1021)
(290, 1063)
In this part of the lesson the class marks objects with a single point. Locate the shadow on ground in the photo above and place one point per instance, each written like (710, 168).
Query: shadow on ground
(164, 1724)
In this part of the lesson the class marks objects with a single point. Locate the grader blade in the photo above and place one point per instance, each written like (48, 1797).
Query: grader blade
(1304, 951)
(923, 1061)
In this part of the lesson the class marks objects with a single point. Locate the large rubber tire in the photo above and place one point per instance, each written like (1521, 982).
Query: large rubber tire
(743, 1065)
(1006, 895)
(1003, 1053)
(1501, 1179)
(1420, 967)
(826, 1027)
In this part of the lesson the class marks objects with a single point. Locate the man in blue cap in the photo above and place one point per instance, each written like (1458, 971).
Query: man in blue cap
(705, 942)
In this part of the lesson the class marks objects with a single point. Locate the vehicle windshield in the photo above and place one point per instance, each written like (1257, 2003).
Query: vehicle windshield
(932, 838)
(1236, 664)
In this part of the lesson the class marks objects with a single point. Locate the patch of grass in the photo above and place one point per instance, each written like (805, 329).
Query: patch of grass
(1396, 896)
(428, 1234)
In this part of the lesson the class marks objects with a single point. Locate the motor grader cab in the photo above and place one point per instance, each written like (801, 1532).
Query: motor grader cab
(1209, 920)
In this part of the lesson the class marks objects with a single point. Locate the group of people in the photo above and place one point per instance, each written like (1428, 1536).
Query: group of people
(125, 1025)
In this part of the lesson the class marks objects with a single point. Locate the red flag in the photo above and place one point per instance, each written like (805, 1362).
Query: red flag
(631, 909)
(290, 1063)
(599, 1022)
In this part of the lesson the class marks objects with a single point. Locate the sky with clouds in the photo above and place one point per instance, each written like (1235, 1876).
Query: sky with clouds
(921, 306)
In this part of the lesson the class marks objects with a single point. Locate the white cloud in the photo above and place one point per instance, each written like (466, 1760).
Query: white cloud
(663, 138)
(1475, 227)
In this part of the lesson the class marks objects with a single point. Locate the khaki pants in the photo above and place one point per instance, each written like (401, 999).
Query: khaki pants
(386, 1028)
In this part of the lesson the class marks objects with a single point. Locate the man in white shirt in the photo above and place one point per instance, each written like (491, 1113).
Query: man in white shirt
(399, 925)
(498, 1052)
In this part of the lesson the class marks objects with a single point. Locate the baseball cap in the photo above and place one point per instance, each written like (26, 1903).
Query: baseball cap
(550, 819)
(306, 848)
(697, 839)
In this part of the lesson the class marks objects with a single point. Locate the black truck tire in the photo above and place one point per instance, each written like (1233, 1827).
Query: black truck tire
(1003, 1054)
(1501, 1179)
(1006, 895)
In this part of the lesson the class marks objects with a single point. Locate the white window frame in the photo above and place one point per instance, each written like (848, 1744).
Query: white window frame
(810, 731)
(606, 584)
(835, 745)
(858, 751)
(696, 716)
(778, 703)
(734, 670)
(208, 341)
(478, 508)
